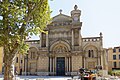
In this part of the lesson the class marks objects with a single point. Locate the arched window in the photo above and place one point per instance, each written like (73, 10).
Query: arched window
(32, 53)
(90, 53)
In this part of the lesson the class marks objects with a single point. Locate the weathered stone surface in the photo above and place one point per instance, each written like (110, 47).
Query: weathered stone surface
(64, 40)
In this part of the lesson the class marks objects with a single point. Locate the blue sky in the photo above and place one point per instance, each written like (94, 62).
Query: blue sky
(97, 16)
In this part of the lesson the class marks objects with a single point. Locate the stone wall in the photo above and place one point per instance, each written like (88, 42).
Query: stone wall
(76, 63)
(43, 64)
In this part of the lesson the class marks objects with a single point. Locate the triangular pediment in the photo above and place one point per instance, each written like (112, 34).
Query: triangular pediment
(61, 18)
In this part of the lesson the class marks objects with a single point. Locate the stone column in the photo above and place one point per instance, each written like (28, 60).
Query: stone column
(37, 62)
(84, 62)
(50, 65)
(40, 39)
(83, 59)
(69, 64)
(46, 40)
(66, 65)
(72, 38)
(101, 59)
(80, 40)
(53, 65)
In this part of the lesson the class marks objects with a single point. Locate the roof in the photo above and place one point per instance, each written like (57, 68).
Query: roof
(61, 18)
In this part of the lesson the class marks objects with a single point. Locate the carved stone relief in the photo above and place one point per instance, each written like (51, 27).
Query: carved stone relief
(60, 49)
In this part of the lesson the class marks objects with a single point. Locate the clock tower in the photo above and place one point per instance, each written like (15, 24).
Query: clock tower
(75, 14)
(76, 28)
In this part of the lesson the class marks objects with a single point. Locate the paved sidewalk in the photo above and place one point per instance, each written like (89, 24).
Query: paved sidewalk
(57, 78)
(44, 77)
(40, 77)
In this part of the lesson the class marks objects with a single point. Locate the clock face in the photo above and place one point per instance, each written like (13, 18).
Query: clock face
(75, 18)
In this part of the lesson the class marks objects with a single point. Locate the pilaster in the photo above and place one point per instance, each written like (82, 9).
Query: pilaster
(40, 39)
(101, 59)
(50, 65)
(72, 38)
(46, 40)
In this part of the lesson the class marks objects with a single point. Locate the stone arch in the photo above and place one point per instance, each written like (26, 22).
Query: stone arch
(34, 47)
(91, 54)
(33, 52)
(66, 45)
(60, 48)
(32, 57)
(90, 51)
(89, 44)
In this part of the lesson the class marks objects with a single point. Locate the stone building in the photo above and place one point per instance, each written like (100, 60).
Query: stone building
(62, 50)
(1, 59)
(114, 58)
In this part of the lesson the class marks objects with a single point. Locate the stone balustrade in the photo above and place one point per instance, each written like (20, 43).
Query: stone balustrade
(91, 39)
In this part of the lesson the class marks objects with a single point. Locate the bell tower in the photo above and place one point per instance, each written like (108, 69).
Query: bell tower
(76, 28)
(75, 14)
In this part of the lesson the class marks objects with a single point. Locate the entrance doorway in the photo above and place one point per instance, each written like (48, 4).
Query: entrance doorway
(60, 66)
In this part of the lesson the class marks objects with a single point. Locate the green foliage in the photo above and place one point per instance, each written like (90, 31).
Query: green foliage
(114, 72)
(110, 72)
(19, 18)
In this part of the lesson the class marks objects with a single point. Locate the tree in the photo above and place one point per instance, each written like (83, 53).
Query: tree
(18, 20)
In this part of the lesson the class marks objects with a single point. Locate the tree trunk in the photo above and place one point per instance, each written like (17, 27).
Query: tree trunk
(9, 66)
(6, 72)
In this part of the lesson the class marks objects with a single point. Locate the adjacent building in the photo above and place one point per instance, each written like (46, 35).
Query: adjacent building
(19, 64)
(113, 58)
(1, 59)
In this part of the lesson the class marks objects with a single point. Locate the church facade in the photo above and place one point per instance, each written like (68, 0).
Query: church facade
(63, 50)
